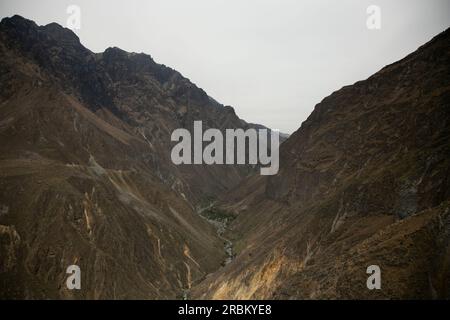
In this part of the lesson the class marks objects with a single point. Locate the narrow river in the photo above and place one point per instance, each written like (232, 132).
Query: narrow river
(221, 224)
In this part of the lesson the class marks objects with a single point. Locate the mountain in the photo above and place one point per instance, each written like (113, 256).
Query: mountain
(85, 171)
(364, 181)
(86, 178)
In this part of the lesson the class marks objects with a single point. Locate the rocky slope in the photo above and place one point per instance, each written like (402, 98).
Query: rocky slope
(364, 181)
(85, 170)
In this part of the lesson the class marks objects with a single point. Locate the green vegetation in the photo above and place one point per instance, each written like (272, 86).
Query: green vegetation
(217, 214)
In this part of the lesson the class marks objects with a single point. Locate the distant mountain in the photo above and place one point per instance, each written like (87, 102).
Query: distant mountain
(85, 170)
(364, 181)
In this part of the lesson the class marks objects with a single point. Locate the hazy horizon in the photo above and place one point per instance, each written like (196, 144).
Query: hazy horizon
(273, 61)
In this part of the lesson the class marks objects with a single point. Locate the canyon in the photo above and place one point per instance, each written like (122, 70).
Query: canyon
(86, 179)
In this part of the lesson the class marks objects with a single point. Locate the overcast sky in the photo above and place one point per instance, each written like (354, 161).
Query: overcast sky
(271, 60)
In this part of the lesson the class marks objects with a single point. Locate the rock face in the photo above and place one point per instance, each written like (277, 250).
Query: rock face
(85, 170)
(364, 181)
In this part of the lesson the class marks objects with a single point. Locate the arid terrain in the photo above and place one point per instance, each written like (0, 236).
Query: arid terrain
(86, 178)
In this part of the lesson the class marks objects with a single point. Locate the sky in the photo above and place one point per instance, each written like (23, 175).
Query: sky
(272, 60)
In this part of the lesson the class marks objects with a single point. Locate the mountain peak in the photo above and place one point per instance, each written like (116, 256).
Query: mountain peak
(17, 21)
(60, 33)
(27, 34)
